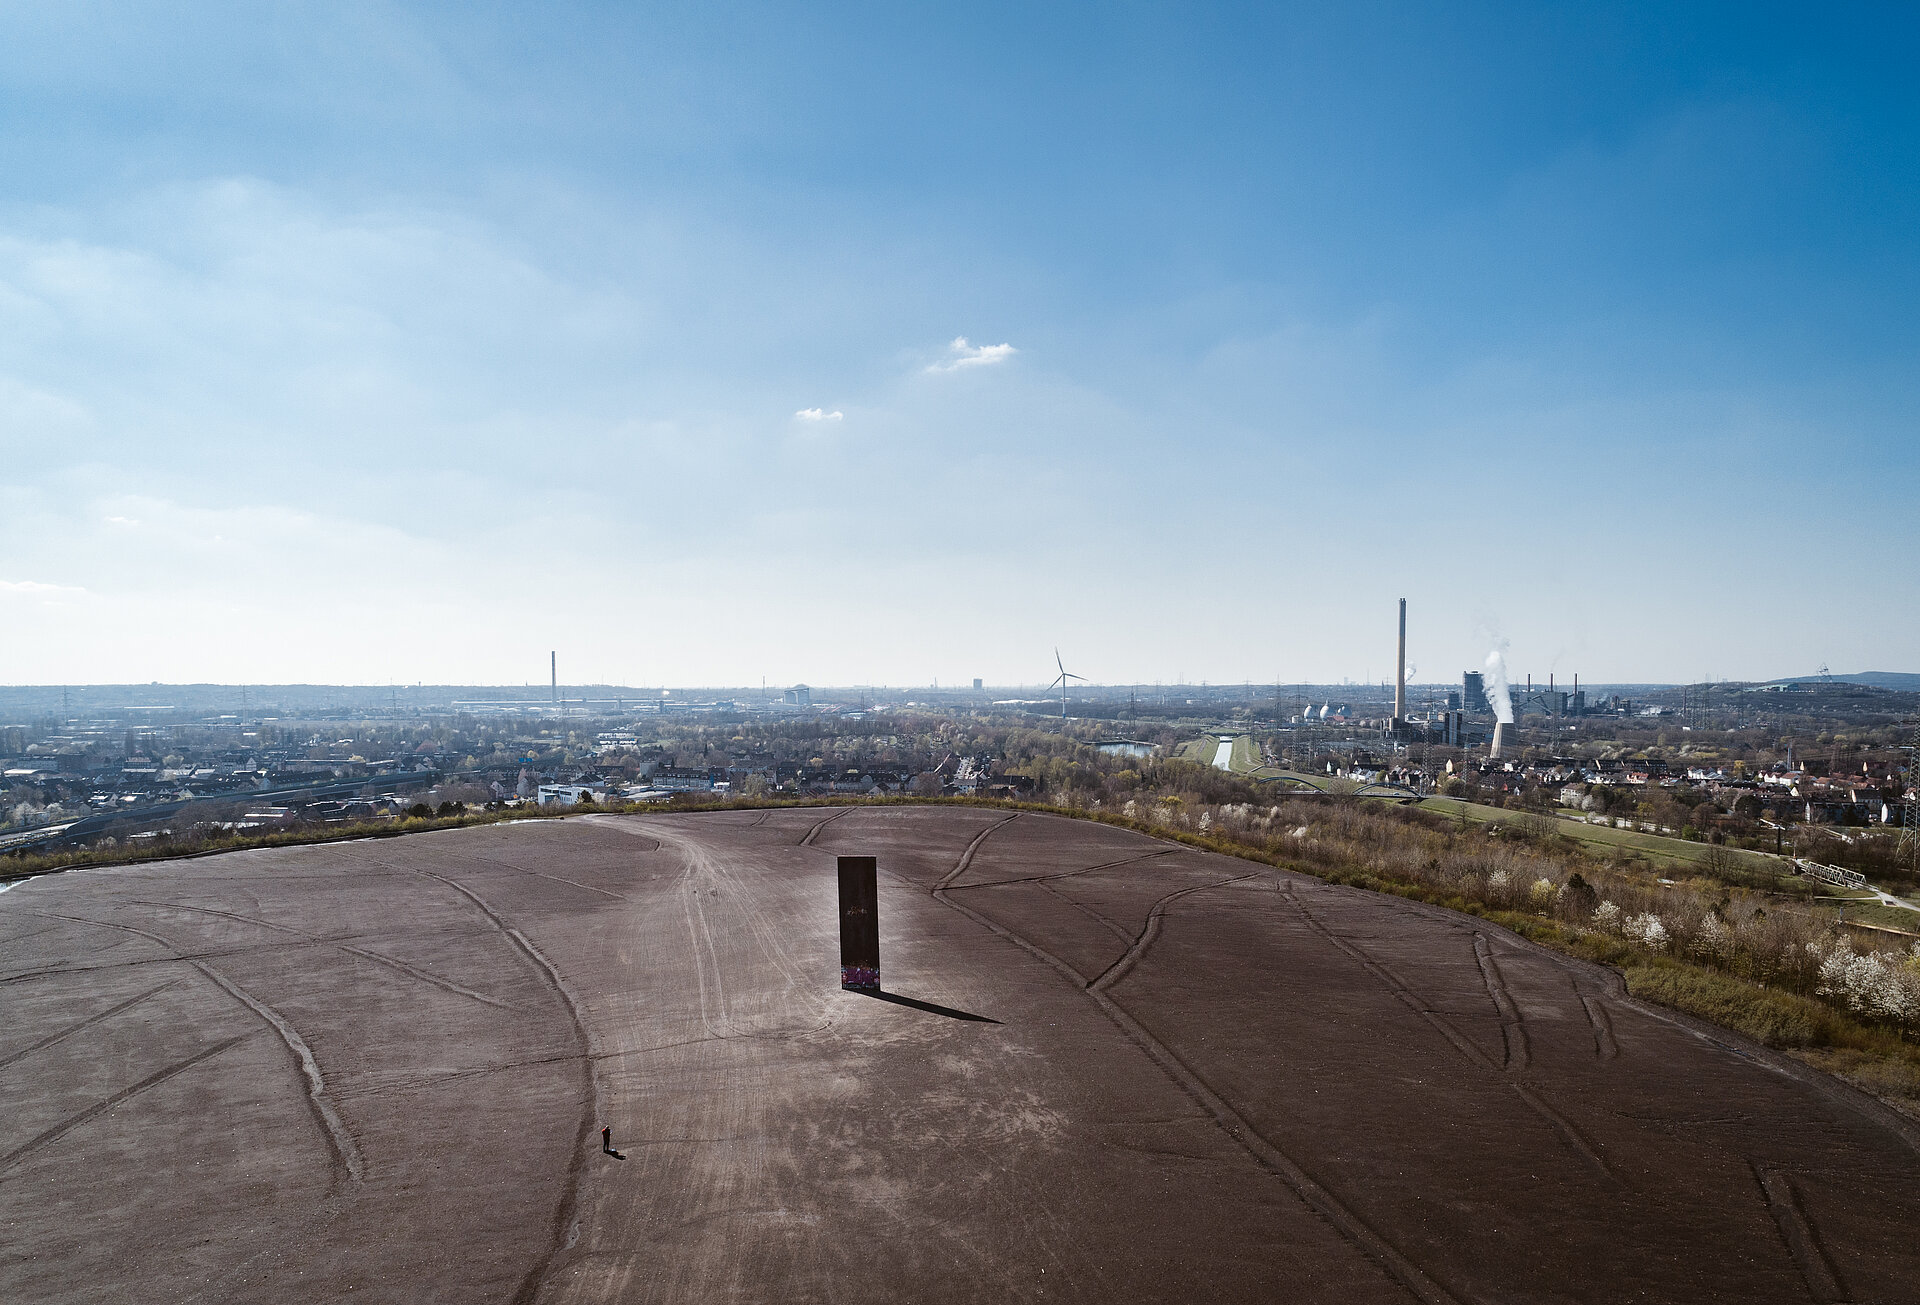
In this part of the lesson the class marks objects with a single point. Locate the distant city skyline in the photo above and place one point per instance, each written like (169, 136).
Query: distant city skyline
(189, 698)
(347, 344)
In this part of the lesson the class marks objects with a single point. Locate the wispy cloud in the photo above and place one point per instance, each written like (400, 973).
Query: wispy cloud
(961, 354)
(818, 414)
(35, 589)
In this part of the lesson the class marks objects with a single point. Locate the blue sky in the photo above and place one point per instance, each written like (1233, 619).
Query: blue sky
(362, 342)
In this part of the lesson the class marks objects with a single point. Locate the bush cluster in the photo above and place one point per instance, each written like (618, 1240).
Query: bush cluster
(1623, 915)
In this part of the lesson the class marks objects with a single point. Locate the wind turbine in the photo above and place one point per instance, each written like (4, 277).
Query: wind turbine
(1062, 679)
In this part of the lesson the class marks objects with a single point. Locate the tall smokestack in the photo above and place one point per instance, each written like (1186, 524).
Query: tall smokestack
(553, 659)
(1400, 677)
(1499, 739)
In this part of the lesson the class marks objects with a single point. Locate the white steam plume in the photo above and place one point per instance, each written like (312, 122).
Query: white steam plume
(1497, 693)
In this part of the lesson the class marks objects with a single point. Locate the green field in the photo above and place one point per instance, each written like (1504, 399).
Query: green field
(1244, 760)
(1658, 847)
(1867, 910)
(1321, 783)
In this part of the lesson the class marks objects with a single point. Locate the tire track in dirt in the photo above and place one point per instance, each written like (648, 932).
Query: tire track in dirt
(425, 976)
(345, 1150)
(1604, 1046)
(99, 1108)
(87, 1023)
(215, 954)
(572, 826)
(1112, 927)
(14, 939)
(1317, 1197)
(1513, 1029)
(1803, 1242)
(1132, 941)
(399, 966)
(577, 1163)
(706, 961)
(1064, 874)
(966, 857)
(1571, 1135)
(813, 831)
(703, 866)
(419, 1082)
(340, 1142)
(173, 949)
(1150, 931)
(571, 883)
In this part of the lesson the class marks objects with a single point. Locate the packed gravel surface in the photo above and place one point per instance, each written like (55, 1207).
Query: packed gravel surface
(1104, 1067)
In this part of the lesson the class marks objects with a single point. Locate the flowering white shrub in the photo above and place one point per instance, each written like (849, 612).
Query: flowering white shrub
(1543, 891)
(1647, 930)
(1885, 984)
(1131, 809)
(1498, 879)
(1206, 821)
(1714, 939)
(1607, 916)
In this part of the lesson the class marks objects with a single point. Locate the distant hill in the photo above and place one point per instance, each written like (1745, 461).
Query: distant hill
(1902, 681)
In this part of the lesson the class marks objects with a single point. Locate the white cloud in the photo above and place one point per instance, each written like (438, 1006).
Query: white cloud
(963, 354)
(818, 414)
(122, 521)
(35, 589)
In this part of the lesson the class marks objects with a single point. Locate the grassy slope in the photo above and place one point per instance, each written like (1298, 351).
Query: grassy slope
(1658, 847)
(1201, 752)
(1323, 782)
(1867, 910)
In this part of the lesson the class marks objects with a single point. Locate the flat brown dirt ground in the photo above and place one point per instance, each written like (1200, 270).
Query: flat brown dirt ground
(378, 1071)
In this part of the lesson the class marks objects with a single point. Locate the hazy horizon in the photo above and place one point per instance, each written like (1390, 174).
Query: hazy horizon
(385, 341)
(536, 692)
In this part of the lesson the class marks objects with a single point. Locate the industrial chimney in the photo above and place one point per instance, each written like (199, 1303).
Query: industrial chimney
(1400, 676)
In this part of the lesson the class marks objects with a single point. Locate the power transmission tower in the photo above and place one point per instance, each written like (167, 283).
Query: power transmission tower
(1910, 817)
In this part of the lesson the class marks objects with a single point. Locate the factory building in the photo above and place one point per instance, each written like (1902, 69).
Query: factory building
(1474, 693)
